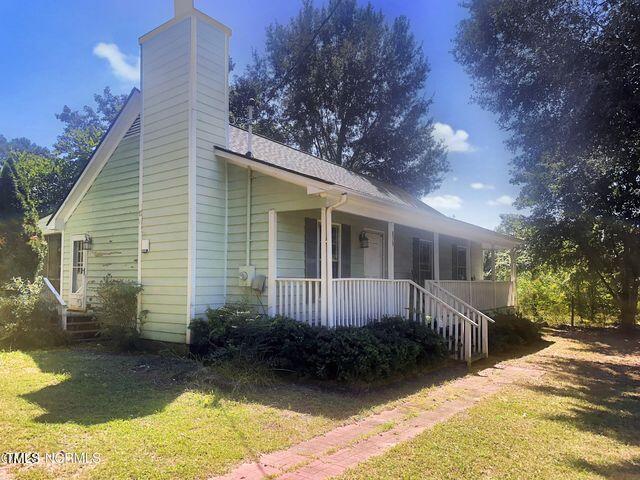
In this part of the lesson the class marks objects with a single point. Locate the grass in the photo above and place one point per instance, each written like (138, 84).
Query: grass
(581, 421)
(150, 416)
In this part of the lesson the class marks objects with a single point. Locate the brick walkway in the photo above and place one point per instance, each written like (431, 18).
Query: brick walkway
(334, 452)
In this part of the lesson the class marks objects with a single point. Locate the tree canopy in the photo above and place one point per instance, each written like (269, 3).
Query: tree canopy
(21, 247)
(84, 128)
(564, 78)
(343, 83)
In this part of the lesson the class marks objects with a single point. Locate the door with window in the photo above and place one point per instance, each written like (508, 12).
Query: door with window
(78, 290)
(374, 256)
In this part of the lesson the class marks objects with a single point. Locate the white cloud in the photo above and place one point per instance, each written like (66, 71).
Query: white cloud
(502, 200)
(481, 186)
(453, 140)
(445, 202)
(123, 66)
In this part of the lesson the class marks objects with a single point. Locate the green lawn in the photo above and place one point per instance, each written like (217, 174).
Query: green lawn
(152, 416)
(160, 417)
(580, 421)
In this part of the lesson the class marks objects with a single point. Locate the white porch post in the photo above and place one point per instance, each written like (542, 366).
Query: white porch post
(436, 257)
(272, 274)
(390, 251)
(468, 272)
(323, 266)
(493, 273)
(513, 292)
(329, 265)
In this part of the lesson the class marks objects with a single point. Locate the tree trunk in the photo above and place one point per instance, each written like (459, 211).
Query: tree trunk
(628, 311)
(573, 304)
(628, 298)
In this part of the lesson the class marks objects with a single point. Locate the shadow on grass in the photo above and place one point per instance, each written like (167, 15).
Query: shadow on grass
(620, 470)
(103, 386)
(607, 388)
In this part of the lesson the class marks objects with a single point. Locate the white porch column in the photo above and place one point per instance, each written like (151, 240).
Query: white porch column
(329, 265)
(468, 272)
(323, 266)
(493, 273)
(513, 291)
(390, 251)
(272, 274)
(468, 260)
(436, 257)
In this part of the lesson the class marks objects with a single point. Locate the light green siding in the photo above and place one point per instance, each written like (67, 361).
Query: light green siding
(211, 123)
(165, 198)
(109, 214)
(266, 193)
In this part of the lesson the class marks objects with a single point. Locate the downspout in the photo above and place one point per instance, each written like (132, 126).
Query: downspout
(328, 273)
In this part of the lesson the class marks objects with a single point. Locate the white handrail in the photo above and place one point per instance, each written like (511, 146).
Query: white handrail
(443, 303)
(458, 299)
(54, 292)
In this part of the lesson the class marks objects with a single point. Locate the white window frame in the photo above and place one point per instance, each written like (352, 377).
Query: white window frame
(460, 248)
(433, 260)
(337, 249)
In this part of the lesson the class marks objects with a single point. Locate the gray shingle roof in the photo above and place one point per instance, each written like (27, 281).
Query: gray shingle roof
(292, 159)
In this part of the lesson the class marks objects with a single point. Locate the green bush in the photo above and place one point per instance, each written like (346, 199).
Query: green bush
(27, 319)
(511, 329)
(379, 350)
(117, 313)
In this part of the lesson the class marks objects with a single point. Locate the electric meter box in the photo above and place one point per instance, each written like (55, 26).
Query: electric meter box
(246, 274)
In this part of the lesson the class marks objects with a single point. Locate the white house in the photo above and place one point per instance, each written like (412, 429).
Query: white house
(201, 213)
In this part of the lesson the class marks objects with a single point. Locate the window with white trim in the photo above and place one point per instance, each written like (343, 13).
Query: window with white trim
(336, 257)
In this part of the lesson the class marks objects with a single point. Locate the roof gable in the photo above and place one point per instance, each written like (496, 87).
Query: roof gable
(124, 123)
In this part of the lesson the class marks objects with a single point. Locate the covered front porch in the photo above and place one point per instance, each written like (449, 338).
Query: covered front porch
(334, 267)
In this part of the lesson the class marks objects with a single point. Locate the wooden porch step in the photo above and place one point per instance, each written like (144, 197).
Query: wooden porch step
(82, 326)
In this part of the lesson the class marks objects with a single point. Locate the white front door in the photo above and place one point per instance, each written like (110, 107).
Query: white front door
(374, 256)
(78, 290)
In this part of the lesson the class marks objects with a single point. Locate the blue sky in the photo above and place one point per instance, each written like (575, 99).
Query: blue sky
(56, 53)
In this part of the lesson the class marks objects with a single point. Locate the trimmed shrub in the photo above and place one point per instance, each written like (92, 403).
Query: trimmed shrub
(379, 350)
(117, 313)
(510, 330)
(27, 320)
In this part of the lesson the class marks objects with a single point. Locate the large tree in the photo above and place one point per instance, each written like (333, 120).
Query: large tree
(21, 246)
(84, 128)
(44, 179)
(564, 78)
(343, 83)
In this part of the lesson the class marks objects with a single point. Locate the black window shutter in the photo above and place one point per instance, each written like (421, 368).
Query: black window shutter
(415, 273)
(345, 251)
(310, 248)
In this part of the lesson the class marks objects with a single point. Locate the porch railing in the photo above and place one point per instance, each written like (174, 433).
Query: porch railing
(50, 293)
(299, 298)
(482, 294)
(359, 301)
